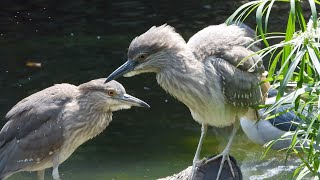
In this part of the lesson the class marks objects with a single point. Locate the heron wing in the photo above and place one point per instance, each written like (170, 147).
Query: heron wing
(239, 88)
(232, 43)
(32, 130)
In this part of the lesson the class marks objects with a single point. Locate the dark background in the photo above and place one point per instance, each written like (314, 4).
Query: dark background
(79, 40)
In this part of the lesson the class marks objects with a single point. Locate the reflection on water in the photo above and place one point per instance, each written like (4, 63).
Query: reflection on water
(76, 41)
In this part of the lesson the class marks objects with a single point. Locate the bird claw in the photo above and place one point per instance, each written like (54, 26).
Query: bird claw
(200, 162)
(225, 156)
(195, 166)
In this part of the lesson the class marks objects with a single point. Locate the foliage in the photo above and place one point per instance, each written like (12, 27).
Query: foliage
(293, 60)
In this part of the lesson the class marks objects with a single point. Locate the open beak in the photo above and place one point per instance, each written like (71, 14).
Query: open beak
(123, 69)
(133, 101)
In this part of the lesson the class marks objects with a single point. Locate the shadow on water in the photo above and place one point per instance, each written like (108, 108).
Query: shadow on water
(76, 41)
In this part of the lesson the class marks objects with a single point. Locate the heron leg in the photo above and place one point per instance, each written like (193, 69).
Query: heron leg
(225, 152)
(55, 171)
(40, 174)
(196, 158)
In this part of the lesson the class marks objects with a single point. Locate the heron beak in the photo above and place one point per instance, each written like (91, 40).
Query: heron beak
(123, 69)
(133, 101)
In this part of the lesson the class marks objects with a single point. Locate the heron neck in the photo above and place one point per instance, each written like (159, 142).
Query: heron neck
(85, 122)
(184, 79)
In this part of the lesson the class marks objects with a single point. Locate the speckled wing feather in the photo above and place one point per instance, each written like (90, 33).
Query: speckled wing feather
(232, 43)
(239, 88)
(32, 130)
(225, 47)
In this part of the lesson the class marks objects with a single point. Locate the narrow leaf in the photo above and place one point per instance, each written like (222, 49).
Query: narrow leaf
(267, 16)
(259, 15)
(291, 69)
(314, 59)
(230, 20)
(314, 13)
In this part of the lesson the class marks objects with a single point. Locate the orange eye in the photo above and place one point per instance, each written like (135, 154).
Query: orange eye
(111, 93)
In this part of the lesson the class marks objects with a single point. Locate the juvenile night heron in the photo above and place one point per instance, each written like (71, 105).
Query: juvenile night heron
(208, 74)
(44, 129)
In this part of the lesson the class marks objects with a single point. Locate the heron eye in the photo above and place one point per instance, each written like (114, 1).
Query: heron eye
(142, 56)
(111, 92)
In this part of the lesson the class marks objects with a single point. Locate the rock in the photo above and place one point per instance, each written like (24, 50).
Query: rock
(209, 171)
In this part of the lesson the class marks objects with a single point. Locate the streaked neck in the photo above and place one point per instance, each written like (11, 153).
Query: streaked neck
(184, 80)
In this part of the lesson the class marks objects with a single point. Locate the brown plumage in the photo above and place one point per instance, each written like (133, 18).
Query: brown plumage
(44, 129)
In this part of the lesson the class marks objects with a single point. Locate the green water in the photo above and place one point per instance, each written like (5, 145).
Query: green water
(158, 148)
(85, 40)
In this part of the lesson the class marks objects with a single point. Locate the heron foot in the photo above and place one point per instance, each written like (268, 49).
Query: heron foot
(196, 164)
(225, 156)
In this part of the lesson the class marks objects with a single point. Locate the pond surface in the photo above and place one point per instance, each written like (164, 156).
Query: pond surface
(76, 41)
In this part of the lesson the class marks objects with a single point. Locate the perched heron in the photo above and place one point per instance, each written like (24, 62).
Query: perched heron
(208, 74)
(264, 131)
(44, 129)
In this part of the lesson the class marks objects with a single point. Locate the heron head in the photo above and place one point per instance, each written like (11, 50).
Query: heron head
(109, 96)
(150, 52)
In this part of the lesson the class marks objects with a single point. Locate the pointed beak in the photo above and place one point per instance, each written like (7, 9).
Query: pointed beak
(133, 101)
(123, 69)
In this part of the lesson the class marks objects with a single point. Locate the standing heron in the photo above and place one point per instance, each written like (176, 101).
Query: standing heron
(44, 129)
(208, 74)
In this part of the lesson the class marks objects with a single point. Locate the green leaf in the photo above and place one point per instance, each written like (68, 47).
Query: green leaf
(274, 64)
(259, 15)
(297, 57)
(301, 73)
(267, 16)
(251, 9)
(314, 58)
(283, 70)
(230, 20)
(288, 98)
(289, 33)
(292, 7)
(314, 13)
(300, 17)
